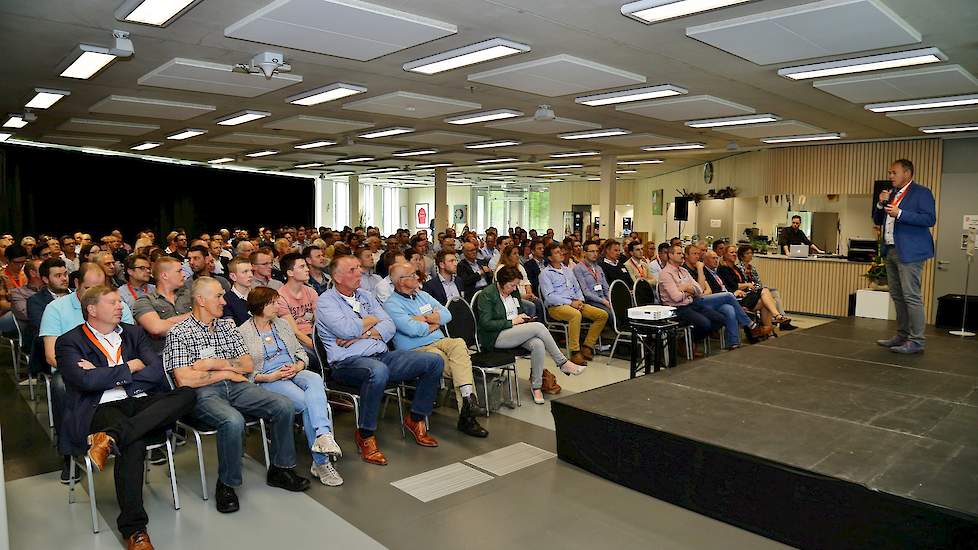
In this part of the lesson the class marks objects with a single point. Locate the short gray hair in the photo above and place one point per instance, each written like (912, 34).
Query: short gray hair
(199, 285)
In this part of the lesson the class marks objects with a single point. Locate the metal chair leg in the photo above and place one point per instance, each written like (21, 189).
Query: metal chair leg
(264, 442)
(400, 411)
(516, 384)
(91, 493)
(47, 386)
(71, 480)
(485, 388)
(200, 464)
(173, 475)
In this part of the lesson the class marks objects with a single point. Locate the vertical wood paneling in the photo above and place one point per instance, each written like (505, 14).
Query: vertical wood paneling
(816, 287)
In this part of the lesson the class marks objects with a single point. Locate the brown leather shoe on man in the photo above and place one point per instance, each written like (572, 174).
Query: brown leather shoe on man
(368, 449)
(587, 352)
(550, 385)
(420, 432)
(578, 359)
(761, 331)
(101, 446)
(139, 541)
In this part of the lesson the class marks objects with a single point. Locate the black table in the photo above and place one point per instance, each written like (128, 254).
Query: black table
(655, 335)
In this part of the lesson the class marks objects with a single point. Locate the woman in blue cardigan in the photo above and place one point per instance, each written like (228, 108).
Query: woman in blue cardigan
(504, 325)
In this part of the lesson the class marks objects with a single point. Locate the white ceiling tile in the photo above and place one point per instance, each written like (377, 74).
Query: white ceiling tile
(214, 78)
(636, 140)
(267, 163)
(771, 129)
(310, 157)
(343, 28)
(439, 137)
(532, 149)
(79, 140)
(686, 108)
(815, 29)
(899, 85)
(533, 126)
(317, 125)
(411, 105)
(205, 149)
(107, 127)
(150, 108)
(557, 75)
(457, 157)
(365, 148)
(254, 139)
(930, 117)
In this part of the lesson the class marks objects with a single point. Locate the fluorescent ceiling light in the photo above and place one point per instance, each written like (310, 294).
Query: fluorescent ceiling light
(653, 11)
(15, 121)
(4, 136)
(310, 165)
(733, 121)
(636, 162)
(674, 146)
(341, 173)
(221, 160)
(159, 13)
(187, 133)
(625, 171)
(893, 60)
(808, 137)
(499, 170)
(355, 159)
(571, 154)
(385, 132)
(331, 92)
(44, 98)
(484, 116)
(146, 145)
(562, 166)
(262, 153)
(969, 127)
(501, 159)
(414, 152)
(92, 60)
(635, 94)
(557, 174)
(241, 117)
(594, 179)
(434, 165)
(314, 144)
(479, 52)
(591, 134)
(492, 144)
(381, 170)
(932, 103)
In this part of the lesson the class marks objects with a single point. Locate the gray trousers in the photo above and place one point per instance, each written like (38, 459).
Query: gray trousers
(904, 281)
(537, 339)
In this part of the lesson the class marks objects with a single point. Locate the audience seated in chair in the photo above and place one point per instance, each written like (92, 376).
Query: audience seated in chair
(637, 264)
(473, 271)
(297, 304)
(565, 302)
(611, 263)
(511, 258)
(745, 254)
(139, 270)
(236, 301)
(445, 284)
(753, 296)
(168, 305)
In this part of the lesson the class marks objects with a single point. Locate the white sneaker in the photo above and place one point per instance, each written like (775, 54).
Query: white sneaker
(327, 474)
(327, 445)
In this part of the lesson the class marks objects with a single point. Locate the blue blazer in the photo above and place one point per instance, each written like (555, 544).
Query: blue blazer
(85, 387)
(911, 232)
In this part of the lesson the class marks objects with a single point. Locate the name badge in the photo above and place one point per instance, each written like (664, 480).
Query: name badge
(207, 353)
(597, 288)
(426, 309)
(308, 316)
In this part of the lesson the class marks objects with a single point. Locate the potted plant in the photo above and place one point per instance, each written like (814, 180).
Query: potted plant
(876, 273)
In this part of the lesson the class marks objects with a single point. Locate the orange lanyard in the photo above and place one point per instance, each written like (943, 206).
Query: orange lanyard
(131, 291)
(593, 273)
(901, 194)
(108, 357)
(638, 267)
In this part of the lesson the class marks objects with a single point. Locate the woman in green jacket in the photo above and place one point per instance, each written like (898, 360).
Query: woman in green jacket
(504, 325)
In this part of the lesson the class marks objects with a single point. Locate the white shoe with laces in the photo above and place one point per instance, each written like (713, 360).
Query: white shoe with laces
(327, 474)
(327, 445)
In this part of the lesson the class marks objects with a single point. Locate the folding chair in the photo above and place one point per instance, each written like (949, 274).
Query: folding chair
(463, 325)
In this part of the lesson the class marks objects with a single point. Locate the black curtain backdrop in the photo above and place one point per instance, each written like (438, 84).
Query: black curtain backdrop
(58, 191)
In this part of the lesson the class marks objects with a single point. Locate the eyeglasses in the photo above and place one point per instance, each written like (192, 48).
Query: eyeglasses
(141, 268)
(262, 263)
(411, 276)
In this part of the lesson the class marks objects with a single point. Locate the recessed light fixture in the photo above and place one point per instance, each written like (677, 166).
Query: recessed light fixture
(484, 116)
(563, 166)
(653, 11)
(594, 179)
(382, 170)
(187, 133)
(314, 144)
(92, 60)
(146, 145)
(348, 160)
(15, 120)
(808, 137)
(44, 98)
(241, 117)
(341, 173)
(635, 94)
(262, 153)
(496, 160)
(499, 170)
(4, 136)
(571, 154)
(433, 165)
(331, 92)
(637, 162)
(479, 52)
(592, 134)
(492, 144)
(221, 160)
(386, 132)
(969, 127)
(158, 13)
(733, 121)
(558, 174)
(414, 152)
(931, 103)
(625, 171)
(868, 63)
(309, 165)
(674, 146)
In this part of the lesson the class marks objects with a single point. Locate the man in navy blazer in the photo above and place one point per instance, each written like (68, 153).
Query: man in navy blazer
(118, 400)
(904, 216)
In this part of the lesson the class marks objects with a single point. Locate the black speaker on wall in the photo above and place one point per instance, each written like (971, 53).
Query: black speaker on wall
(681, 212)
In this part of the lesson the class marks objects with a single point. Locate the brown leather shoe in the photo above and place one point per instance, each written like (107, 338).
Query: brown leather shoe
(578, 359)
(368, 450)
(550, 385)
(101, 446)
(587, 352)
(761, 331)
(139, 541)
(420, 432)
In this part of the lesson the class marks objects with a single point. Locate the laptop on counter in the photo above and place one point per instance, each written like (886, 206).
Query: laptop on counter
(798, 251)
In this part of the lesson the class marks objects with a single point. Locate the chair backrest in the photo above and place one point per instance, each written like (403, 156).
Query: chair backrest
(463, 324)
(472, 302)
(621, 300)
(644, 293)
(317, 346)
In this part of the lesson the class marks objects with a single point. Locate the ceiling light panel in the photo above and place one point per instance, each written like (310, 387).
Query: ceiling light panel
(492, 144)
(386, 132)
(310, 165)
(589, 134)
(733, 121)
(472, 54)
(803, 138)
(262, 153)
(45, 98)
(497, 160)
(499, 170)
(414, 152)
(221, 160)
(324, 94)
(931, 103)
(675, 146)
(950, 128)
(558, 75)
(563, 166)
(635, 94)
(187, 133)
(146, 145)
(15, 121)
(893, 60)
(158, 13)
(638, 162)
(654, 11)
(485, 116)
(349, 160)
(242, 117)
(91, 60)
(315, 144)
(4, 136)
(433, 165)
(571, 154)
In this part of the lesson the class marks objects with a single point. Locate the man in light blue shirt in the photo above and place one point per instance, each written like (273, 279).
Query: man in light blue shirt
(564, 301)
(591, 278)
(354, 330)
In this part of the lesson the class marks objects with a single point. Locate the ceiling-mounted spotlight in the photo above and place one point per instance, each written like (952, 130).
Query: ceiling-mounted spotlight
(265, 63)
(158, 13)
(544, 113)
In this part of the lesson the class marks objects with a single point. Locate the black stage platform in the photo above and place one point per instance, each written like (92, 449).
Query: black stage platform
(819, 439)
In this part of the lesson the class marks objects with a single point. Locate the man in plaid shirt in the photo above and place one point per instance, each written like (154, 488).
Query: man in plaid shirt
(207, 353)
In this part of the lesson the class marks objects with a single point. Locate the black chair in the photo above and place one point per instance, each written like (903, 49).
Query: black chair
(463, 325)
(621, 300)
(644, 293)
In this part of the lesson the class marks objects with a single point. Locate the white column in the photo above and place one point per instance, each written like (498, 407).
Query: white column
(353, 190)
(609, 186)
(441, 199)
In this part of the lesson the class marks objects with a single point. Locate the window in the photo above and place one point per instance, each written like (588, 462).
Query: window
(392, 210)
(366, 215)
(341, 204)
(538, 206)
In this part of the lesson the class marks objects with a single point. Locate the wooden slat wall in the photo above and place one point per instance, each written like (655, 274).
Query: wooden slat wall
(816, 287)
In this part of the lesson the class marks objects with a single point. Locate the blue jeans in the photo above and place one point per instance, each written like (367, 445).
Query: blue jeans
(308, 396)
(371, 375)
(222, 406)
(7, 325)
(734, 317)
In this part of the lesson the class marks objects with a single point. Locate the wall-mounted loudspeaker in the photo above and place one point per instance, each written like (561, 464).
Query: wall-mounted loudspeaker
(681, 212)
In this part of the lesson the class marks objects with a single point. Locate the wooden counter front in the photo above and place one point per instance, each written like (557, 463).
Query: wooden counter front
(813, 286)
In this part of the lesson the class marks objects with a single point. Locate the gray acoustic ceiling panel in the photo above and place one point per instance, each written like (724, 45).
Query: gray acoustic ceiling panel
(310, 157)
(532, 149)
(343, 28)
(440, 137)
(814, 29)
(636, 140)
(461, 158)
(530, 125)
(96, 141)
(771, 129)
(411, 105)
(214, 78)
(557, 75)
(317, 124)
(931, 117)
(150, 108)
(254, 139)
(198, 149)
(686, 108)
(935, 81)
(359, 148)
(107, 127)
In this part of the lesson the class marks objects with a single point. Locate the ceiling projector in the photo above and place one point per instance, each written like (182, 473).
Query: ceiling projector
(265, 63)
(544, 113)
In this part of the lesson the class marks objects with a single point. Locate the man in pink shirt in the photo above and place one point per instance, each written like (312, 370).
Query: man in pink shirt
(677, 288)
(298, 302)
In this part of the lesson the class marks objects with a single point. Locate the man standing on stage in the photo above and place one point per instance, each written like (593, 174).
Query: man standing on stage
(905, 215)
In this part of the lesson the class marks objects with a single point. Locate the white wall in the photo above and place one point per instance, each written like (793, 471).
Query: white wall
(457, 194)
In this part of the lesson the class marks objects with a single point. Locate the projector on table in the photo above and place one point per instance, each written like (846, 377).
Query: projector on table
(651, 313)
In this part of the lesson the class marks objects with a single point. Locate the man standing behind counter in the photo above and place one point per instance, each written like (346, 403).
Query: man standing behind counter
(794, 235)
